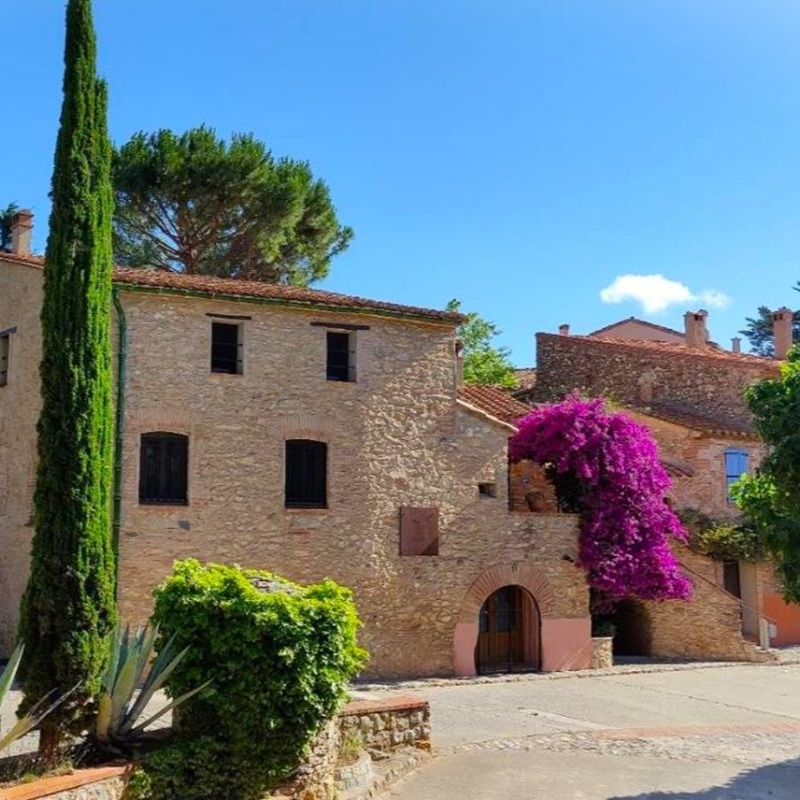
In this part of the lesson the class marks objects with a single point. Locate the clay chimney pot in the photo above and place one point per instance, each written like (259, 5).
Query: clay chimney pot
(21, 227)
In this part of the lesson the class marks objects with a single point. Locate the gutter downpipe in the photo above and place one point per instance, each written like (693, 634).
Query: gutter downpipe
(122, 356)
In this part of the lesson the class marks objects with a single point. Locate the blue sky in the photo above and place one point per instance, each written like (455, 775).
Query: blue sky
(520, 155)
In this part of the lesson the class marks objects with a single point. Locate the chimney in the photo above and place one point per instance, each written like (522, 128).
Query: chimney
(782, 330)
(21, 227)
(563, 330)
(695, 325)
(736, 344)
(459, 363)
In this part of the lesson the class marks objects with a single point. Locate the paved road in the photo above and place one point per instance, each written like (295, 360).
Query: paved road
(727, 733)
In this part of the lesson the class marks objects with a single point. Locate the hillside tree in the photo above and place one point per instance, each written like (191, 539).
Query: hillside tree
(484, 362)
(197, 204)
(759, 333)
(69, 608)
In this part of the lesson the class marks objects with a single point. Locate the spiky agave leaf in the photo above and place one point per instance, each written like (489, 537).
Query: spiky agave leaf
(173, 704)
(34, 716)
(10, 672)
(118, 711)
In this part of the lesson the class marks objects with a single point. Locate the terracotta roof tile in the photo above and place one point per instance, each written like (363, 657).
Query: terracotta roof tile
(720, 423)
(494, 401)
(526, 378)
(160, 280)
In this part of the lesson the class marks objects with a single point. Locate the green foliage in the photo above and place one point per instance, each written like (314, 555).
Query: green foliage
(69, 609)
(122, 703)
(194, 203)
(771, 499)
(6, 215)
(35, 715)
(759, 330)
(723, 540)
(279, 660)
(483, 362)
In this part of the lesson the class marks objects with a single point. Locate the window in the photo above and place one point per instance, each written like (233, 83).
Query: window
(163, 469)
(5, 343)
(487, 490)
(226, 348)
(341, 356)
(731, 578)
(735, 467)
(306, 474)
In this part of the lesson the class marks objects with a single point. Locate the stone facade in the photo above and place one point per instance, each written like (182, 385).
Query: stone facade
(691, 398)
(397, 437)
(704, 379)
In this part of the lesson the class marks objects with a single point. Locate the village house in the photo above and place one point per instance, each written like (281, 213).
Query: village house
(688, 391)
(315, 435)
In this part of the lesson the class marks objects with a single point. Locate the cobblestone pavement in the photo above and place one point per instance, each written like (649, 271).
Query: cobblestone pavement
(718, 733)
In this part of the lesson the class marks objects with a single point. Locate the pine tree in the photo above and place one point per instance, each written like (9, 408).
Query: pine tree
(69, 605)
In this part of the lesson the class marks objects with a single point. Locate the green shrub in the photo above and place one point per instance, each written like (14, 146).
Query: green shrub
(724, 540)
(279, 662)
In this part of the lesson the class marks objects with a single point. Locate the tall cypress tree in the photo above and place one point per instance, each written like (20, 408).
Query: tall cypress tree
(69, 605)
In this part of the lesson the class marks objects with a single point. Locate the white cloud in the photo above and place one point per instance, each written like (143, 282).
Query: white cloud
(657, 293)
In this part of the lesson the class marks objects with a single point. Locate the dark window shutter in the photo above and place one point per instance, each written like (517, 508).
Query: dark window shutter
(306, 474)
(419, 531)
(164, 468)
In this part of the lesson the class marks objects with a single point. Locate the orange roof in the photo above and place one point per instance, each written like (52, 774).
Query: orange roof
(526, 378)
(672, 349)
(495, 402)
(718, 422)
(233, 289)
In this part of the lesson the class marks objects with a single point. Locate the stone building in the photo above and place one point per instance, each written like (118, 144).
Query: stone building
(689, 393)
(312, 434)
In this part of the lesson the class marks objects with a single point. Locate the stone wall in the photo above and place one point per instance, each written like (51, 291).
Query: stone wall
(383, 726)
(20, 301)
(396, 438)
(703, 455)
(708, 380)
(710, 626)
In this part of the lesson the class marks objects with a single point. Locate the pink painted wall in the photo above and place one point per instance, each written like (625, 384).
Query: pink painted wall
(566, 644)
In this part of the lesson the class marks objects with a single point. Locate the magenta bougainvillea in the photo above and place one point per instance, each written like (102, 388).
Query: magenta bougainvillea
(606, 467)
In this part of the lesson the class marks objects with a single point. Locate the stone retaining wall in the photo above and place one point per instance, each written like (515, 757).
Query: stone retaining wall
(384, 726)
(383, 729)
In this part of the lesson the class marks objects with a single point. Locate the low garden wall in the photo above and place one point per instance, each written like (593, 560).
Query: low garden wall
(103, 783)
(365, 732)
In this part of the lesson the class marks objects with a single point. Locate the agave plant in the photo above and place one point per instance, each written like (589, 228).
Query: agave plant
(120, 707)
(36, 714)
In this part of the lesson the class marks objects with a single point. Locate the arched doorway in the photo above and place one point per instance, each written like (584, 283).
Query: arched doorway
(508, 632)
(634, 634)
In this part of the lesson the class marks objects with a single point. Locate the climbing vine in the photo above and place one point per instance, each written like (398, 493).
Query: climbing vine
(605, 466)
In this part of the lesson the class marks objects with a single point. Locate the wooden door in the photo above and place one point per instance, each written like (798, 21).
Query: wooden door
(501, 636)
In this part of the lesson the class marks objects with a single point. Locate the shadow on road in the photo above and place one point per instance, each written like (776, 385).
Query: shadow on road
(772, 782)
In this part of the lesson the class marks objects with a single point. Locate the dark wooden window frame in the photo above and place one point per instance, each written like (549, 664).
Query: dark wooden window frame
(226, 348)
(164, 469)
(306, 474)
(340, 363)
